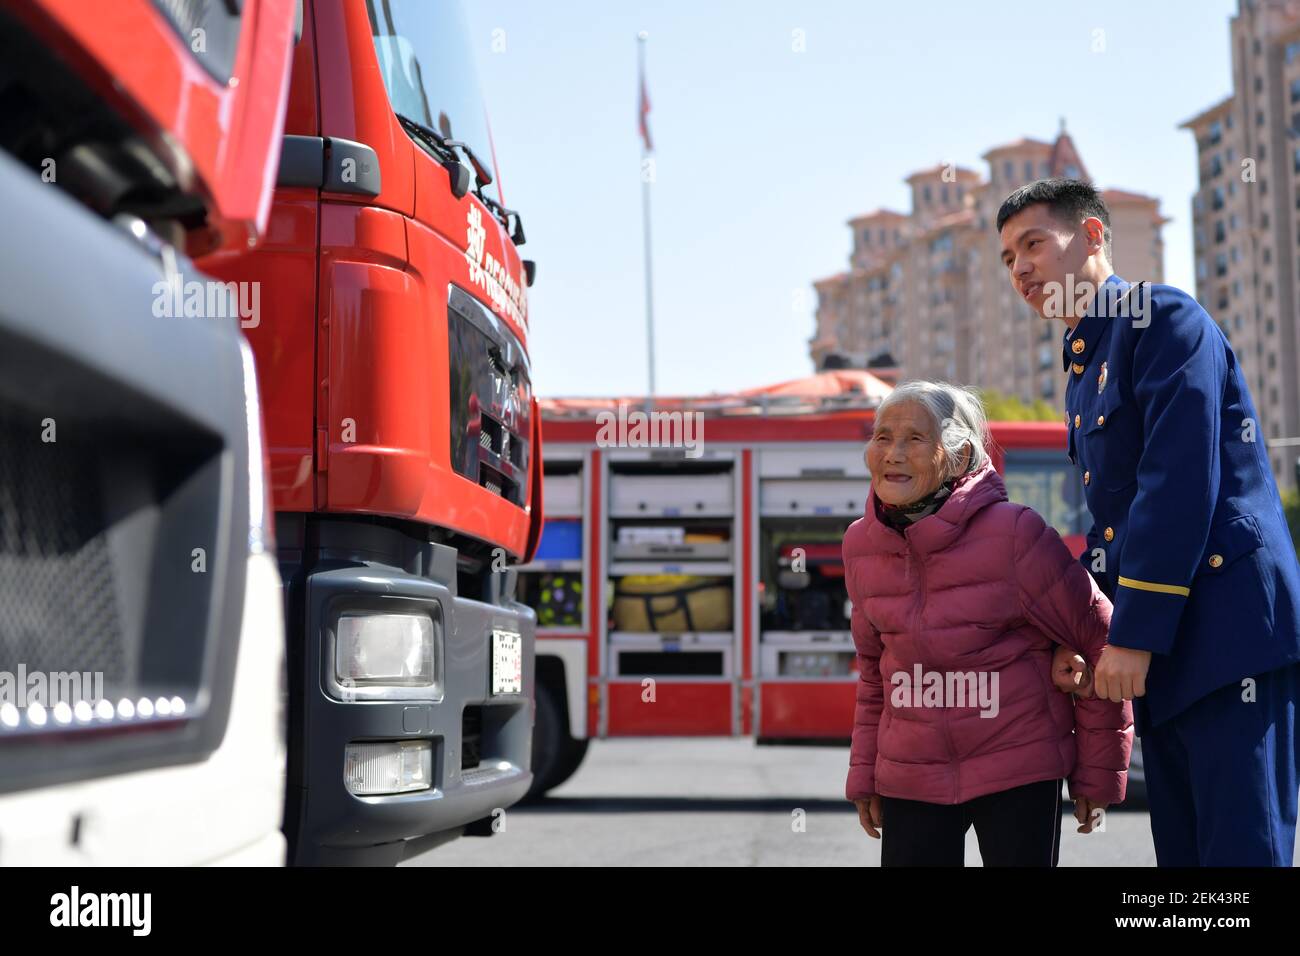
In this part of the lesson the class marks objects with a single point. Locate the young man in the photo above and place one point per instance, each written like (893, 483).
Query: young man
(1188, 540)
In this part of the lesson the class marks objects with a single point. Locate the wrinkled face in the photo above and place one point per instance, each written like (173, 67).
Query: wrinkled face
(904, 454)
(1039, 251)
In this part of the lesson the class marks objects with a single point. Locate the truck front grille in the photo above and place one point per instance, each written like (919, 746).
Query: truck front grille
(124, 503)
(491, 417)
(59, 602)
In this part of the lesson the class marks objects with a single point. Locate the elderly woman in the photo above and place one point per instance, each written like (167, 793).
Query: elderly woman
(959, 600)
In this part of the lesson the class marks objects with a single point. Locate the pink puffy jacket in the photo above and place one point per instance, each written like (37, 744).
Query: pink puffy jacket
(981, 587)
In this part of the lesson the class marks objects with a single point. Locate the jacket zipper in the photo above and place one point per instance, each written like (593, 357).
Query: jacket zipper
(916, 629)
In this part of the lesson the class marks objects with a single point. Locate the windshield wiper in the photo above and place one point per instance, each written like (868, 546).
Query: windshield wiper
(432, 141)
(445, 148)
(430, 137)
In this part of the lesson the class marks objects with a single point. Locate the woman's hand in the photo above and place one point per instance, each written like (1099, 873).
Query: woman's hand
(1084, 811)
(869, 815)
(1070, 673)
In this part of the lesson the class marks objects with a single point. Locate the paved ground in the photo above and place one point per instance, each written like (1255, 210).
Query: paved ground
(725, 802)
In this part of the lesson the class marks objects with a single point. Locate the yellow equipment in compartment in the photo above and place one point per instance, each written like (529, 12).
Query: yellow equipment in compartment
(672, 602)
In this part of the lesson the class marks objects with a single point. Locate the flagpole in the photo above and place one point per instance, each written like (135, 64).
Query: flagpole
(645, 218)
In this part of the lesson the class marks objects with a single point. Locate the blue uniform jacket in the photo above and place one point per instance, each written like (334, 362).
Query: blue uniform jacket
(1188, 539)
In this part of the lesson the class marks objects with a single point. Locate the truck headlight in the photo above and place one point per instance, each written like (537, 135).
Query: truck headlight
(391, 649)
(399, 766)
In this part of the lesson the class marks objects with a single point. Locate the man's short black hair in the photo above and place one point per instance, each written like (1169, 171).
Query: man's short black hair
(1069, 200)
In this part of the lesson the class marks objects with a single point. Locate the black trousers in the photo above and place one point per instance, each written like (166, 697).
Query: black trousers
(1016, 827)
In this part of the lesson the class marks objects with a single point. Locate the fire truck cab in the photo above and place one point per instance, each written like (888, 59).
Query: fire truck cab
(403, 440)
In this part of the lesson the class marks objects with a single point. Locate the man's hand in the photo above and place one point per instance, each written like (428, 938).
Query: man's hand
(1070, 672)
(1121, 673)
(869, 815)
(1084, 809)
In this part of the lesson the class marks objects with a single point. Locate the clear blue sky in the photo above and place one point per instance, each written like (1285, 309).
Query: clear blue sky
(762, 152)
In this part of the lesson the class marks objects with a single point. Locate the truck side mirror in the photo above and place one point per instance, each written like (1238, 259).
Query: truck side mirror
(459, 175)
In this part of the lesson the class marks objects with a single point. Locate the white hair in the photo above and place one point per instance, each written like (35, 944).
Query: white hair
(957, 415)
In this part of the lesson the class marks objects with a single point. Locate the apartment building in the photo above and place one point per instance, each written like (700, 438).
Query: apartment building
(1246, 217)
(925, 294)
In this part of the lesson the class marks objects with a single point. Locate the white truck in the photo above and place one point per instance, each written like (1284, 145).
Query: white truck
(141, 635)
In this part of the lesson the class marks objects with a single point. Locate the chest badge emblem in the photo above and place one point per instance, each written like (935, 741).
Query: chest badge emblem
(1101, 378)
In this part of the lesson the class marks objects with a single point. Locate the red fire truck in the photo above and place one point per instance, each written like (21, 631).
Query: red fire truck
(699, 591)
(403, 438)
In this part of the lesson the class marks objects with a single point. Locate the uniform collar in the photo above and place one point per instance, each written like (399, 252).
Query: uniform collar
(1078, 343)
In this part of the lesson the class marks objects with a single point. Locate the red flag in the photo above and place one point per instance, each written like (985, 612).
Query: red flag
(642, 125)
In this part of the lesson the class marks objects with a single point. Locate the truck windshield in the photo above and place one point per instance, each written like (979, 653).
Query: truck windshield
(428, 67)
(1049, 486)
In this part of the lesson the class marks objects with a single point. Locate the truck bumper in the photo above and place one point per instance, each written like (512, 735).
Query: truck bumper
(481, 743)
(223, 810)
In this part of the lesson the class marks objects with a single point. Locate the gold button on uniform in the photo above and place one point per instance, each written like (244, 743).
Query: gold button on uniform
(1109, 534)
(1216, 560)
(1077, 368)
(1077, 346)
(1077, 419)
(1087, 477)
(1101, 419)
